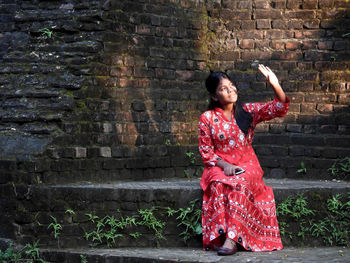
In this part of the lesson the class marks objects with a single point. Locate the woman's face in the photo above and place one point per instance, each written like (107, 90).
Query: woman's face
(226, 92)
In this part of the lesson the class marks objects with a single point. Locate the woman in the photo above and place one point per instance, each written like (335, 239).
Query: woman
(238, 208)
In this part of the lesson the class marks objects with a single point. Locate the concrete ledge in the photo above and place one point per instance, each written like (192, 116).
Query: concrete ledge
(169, 255)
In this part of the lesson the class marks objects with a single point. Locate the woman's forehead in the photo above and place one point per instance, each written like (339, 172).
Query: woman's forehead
(225, 82)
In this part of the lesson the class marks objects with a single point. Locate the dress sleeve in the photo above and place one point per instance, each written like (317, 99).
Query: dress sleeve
(267, 111)
(205, 142)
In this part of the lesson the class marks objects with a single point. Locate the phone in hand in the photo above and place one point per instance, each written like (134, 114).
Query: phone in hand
(239, 171)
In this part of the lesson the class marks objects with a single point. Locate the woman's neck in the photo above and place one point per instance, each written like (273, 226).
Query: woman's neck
(227, 109)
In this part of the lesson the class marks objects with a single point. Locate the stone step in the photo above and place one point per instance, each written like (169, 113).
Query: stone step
(38, 206)
(169, 255)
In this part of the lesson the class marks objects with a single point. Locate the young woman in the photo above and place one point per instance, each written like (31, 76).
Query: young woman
(238, 208)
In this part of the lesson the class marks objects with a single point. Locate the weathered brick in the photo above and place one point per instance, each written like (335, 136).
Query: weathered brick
(278, 44)
(312, 24)
(262, 4)
(325, 108)
(293, 45)
(279, 34)
(306, 86)
(294, 128)
(235, 14)
(252, 55)
(294, 24)
(300, 14)
(341, 4)
(293, 4)
(268, 14)
(325, 3)
(296, 150)
(325, 44)
(263, 24)
(246, 43)
(341, 45)
(310, 4)
(279, 24)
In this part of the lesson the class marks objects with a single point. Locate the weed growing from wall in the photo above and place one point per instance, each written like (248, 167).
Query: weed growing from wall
(334, 227)
(341, 168)
(29, 253)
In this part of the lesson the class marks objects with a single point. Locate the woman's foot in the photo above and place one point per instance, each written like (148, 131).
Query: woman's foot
(229, 248)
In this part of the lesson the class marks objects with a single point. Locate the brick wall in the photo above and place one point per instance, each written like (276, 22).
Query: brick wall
(116, 91)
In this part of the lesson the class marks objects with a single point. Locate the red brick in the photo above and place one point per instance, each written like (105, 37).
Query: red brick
(344, 98)
(263, 24)
(279, 34)
(295, 24)
(312, 24)
(226, 56)
(325, 108)
(305, 65)
(229, 14)
(309, 44)
(331, 14)
(244, 5)
(248, 25)
(246, 43)
(314, 33)
(308, 107)
(306, 86)
(276, 44)
(262, 44)
(268, 14)
(327, 24)
(325, 3)
(341, 4)
(309, 4)
(325, 44)
(293, 4)
(287, 55)
(279, 24)
(262, 4)
(251, 55)
(254, 34)
(293, 45)
(341, 45)
(301, 14)
(279, 4)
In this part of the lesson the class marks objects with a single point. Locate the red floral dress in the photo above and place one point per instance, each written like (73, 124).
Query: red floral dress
(239, 207)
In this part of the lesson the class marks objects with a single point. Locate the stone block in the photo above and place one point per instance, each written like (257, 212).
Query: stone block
(297, 128)
(80, 152)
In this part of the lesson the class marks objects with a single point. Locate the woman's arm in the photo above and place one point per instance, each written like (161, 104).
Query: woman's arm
(273, 80)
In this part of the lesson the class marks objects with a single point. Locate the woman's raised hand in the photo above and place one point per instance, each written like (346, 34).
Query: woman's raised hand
(269, 75)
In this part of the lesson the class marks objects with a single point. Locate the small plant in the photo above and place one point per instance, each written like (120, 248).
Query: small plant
(83, 259)
(56, 227)
(149, 220)
(190, 218)
(136, 234)
(70, 211)
(341, 168)
(335, 227)
(29, 253)
(302, 168)
(107, 229)
(187, 174)
(191, 156)
(45, 32)
(167, 142)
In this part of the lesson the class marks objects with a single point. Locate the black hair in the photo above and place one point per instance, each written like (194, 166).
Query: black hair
(243, 118)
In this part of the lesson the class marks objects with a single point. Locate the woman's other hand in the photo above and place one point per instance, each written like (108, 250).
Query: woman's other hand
(229, 169)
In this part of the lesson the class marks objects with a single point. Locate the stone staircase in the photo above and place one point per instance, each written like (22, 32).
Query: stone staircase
(69, 204)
